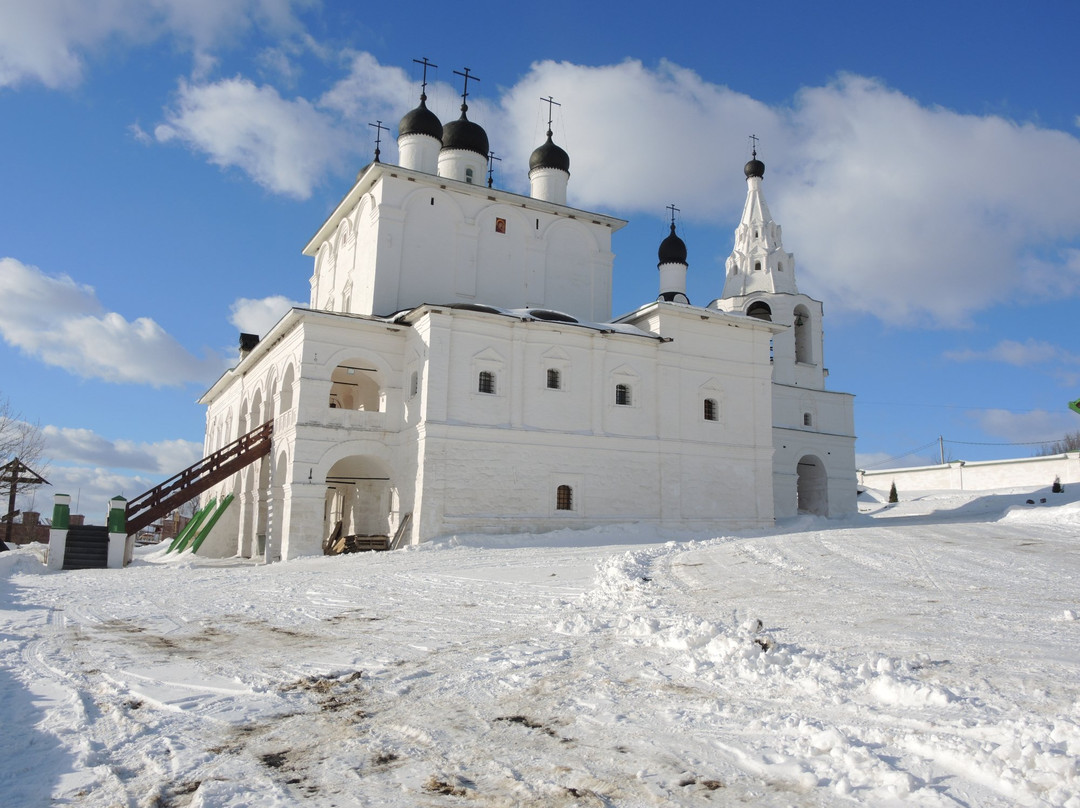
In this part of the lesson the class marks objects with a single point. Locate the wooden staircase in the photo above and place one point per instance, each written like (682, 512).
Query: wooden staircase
(199, 477)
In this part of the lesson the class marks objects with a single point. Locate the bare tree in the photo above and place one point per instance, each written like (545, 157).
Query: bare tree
(19, 438)
(22, 440)
(1070, 443)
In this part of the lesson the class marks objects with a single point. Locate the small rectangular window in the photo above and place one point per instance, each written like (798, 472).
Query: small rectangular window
(807, 420)
(622, 395)
(487, 382)
(711, 413)
(564, 498)
(554, 380)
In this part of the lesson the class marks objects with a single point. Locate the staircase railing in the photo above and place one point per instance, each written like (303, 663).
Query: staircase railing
(199, 477)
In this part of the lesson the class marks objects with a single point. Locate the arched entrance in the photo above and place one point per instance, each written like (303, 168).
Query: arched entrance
(812, 486)
(360, 500)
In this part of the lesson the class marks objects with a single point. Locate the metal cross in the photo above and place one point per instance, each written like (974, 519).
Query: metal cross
(423, 84)
(673, 210)
(491, 166)
(754, 139)
(550, 102)
(378, 136)
(465, 91)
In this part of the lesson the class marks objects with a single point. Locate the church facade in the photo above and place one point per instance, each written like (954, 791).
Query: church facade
(458, 370)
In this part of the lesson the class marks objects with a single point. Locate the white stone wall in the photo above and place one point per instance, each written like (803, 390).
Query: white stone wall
(985, 475)
(435, 240)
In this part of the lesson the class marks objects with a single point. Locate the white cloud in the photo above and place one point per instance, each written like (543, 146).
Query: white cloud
(1036, 426)
(910, 213)
(1021, 354)
(89, 341)
(287, 146)
(251, 316)
(68, 445)
(48, 41)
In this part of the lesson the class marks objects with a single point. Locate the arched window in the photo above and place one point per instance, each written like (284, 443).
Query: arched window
(757, 266)
(554, 379)
(469, 175)
(487, 382)
(803, 351)
(564, 498)
(711, 412)
(622, 395)
(807, 420)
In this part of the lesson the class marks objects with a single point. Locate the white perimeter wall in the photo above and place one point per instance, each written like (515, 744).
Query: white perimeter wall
(962, 476)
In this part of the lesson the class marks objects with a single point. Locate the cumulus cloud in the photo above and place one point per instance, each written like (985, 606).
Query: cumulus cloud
(258, 316)
(67, 445)
(1035, 426)
(285, 145)
(911, 213)
(89, 341)
(48, 42)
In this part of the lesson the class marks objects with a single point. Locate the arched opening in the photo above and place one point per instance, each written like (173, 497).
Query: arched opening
(760, 310)
(803, 351)
(287, 389)
(360, 503)
(812, 486)
(355, 387)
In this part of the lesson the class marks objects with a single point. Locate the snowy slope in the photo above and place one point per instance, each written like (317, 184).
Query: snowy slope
(926, 653)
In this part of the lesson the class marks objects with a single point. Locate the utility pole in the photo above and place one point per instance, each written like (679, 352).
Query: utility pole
(941, 448)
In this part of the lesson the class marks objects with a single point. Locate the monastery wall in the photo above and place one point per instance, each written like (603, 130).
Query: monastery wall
(985, 475)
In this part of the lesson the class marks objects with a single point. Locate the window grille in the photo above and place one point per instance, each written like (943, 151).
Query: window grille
(622, 395)
(711, 413)
(554, 380)
(487, 382)
(564, 498)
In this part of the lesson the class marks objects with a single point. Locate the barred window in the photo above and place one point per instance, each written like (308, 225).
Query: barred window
(622, 395)
(554, 379)
(487, 382)
(807, 420)
(711, 412)
(564, 498)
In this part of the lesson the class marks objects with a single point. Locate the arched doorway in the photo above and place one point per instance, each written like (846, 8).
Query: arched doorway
(360, 500)
(812, 486)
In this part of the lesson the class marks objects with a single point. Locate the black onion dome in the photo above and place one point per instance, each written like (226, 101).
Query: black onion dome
(464, 134)
(755, 168)
(672, 249)
(421, 121)
(549, 156)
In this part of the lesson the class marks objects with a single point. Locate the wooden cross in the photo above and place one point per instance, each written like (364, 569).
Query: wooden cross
(15, 473)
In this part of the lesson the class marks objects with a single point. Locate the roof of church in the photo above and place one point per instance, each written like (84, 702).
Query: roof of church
(421, 121)
(464, 134)
(548, 155)
(672, 249)
(755, 168)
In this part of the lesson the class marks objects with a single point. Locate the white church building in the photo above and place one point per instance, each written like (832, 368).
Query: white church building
(458, 370)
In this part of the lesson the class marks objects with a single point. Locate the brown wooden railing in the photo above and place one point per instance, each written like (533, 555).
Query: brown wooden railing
(199, 477)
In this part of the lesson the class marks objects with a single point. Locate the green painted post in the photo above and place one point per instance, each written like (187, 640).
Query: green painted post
(61, 511)
(117, 520)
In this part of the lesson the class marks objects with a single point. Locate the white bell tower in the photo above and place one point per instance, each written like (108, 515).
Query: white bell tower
(760, 282)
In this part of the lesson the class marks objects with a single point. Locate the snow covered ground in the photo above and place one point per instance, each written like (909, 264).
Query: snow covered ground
(926, 653)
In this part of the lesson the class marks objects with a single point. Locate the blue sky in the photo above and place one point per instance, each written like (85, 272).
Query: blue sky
(165, 161)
